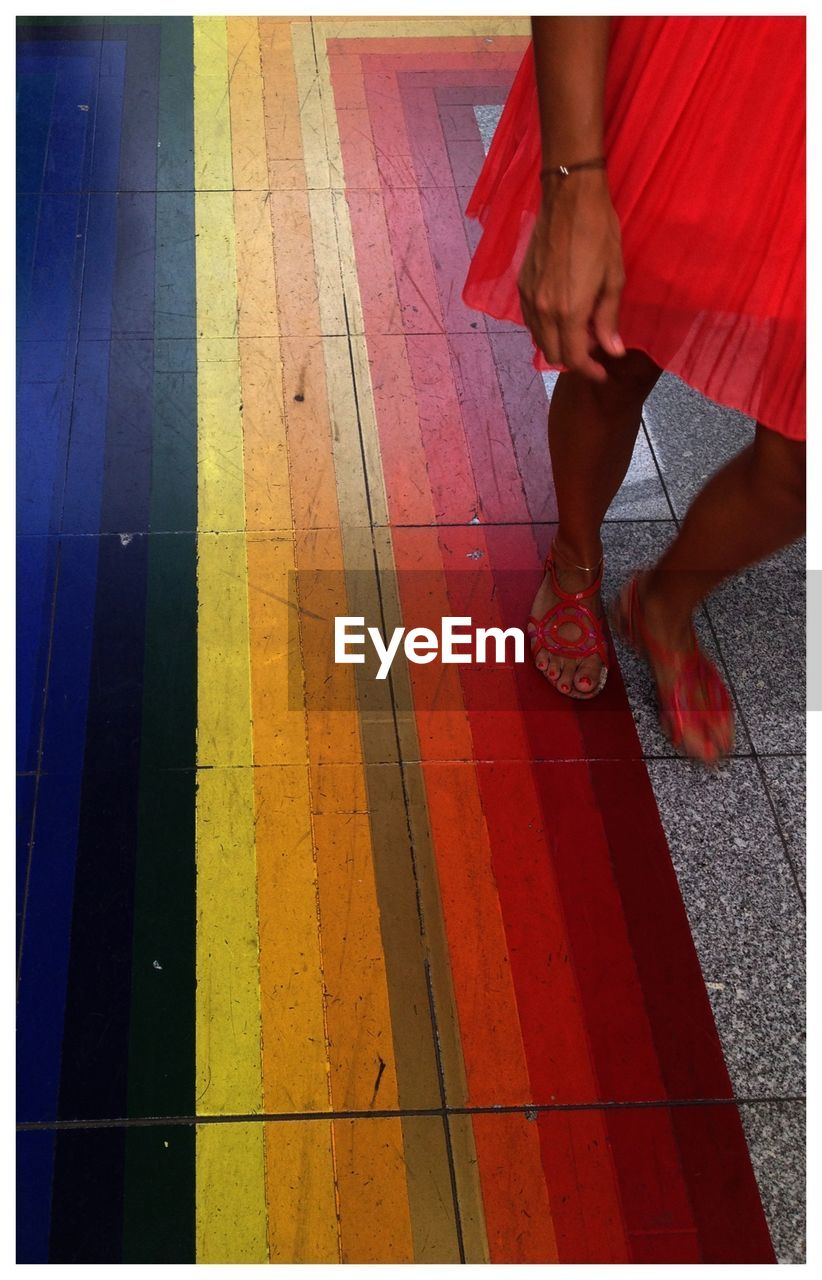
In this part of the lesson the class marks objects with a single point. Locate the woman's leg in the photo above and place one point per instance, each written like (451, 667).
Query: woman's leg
(592, 429)
(750, 509)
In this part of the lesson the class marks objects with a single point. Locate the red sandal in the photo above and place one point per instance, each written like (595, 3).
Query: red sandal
(567, 608)
(694, 675)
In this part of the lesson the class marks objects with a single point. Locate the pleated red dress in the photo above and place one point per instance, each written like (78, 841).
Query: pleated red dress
(705, 147)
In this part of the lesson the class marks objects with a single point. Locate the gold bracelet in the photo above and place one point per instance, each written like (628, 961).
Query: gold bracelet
(563, 170)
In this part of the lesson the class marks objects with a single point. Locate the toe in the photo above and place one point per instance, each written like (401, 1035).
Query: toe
(565, 681)
(587, 676)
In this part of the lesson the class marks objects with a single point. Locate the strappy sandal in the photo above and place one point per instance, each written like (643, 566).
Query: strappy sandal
(697, 699)
(567, 608)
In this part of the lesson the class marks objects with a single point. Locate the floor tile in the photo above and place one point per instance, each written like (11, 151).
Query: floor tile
(746, 916)
(759, 618)
(691, 437)
(487, 121)
(776, 1139)
(641, 495)
(785, 780)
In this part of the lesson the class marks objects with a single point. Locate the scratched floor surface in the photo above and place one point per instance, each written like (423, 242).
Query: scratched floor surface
(313, 969)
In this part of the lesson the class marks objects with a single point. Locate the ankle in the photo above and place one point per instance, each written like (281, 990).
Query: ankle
(670, 617)
(582, 554)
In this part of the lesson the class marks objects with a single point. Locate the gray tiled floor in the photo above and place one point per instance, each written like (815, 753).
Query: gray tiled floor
(737, 834)
(691, 437)
(776, 1141)
(785, 780)
(746, 917)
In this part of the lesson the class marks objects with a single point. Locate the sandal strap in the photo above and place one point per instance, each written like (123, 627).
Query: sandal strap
(570, 596)
(696, 675)
(591, 639)
(659, 651)
(698, 678)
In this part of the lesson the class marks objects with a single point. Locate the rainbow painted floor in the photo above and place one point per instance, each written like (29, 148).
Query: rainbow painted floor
(362, 972)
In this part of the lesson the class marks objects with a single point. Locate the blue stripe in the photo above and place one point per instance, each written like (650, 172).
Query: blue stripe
(35, 1161)
(25, 809)
(42, 1001)
(35, 91)
(44, 392)
(36, 569)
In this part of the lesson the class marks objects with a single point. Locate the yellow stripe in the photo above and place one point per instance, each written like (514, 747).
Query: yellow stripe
(300, 1183)
(230, 1162)
(230, 1217)
(228, 1008)
(212, 122)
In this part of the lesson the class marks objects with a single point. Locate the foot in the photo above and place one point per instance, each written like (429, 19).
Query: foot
(576, 678)
(705, 736)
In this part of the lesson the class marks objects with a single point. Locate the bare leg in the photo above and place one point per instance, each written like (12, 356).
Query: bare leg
(592, 430)
(749, 509)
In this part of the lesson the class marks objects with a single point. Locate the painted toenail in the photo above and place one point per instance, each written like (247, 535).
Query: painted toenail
(584, 681)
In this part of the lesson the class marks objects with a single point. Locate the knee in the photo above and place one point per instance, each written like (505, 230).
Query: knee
(631, 377)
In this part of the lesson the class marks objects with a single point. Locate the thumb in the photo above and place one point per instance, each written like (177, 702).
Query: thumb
(606, 321)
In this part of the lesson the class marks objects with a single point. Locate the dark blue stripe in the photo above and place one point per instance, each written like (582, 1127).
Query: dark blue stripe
(28, 216)
(41, 1006)
(35, 1158)
(68, 159)
(25, 809)
(36, 569)
(64, 736)
(35, 91)
(44, 391)
(94, 1072)
(53, 303)
(84, 478)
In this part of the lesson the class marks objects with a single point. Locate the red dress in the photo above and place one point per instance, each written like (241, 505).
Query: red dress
(705, 147)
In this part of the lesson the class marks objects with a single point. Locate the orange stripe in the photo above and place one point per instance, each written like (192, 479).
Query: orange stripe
(307, 801)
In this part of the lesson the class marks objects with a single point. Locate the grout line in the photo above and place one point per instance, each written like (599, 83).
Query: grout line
(396, 763)
(529, 1109)
(260, 532)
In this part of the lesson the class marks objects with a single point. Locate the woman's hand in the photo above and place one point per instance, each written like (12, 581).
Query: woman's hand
(572, 274)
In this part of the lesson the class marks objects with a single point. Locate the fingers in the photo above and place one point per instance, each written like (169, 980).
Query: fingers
(576, 345)
(563, 339)
(605, 319)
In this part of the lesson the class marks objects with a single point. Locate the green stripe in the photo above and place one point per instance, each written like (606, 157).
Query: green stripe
(159, 1211)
